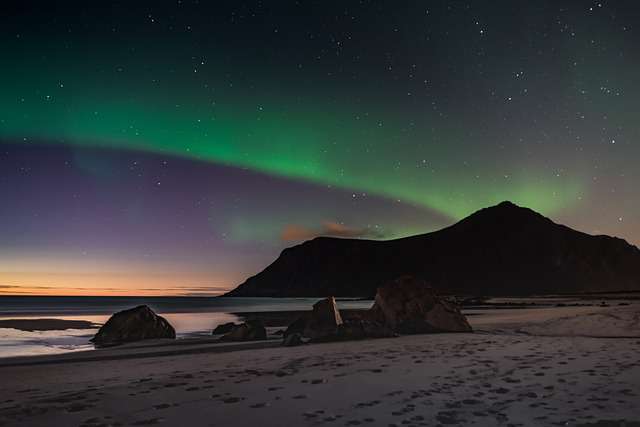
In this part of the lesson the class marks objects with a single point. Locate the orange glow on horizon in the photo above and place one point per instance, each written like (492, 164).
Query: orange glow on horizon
(66, 292)
(64, 274)
(109, 284)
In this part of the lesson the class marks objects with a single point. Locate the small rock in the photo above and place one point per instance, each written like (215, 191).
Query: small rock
(251, 330)
(224, 328)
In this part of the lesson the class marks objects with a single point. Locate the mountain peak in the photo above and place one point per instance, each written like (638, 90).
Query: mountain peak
(507, 204)
(504, 215)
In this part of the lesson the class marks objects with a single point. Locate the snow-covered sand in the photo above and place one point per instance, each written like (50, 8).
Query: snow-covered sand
(510, 372)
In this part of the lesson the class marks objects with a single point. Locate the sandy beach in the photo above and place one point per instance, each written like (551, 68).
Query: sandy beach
(520, 367)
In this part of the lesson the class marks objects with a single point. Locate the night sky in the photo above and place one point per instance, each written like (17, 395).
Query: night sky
(177, 147)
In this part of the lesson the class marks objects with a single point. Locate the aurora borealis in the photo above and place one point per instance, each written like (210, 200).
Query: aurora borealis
(177, 147)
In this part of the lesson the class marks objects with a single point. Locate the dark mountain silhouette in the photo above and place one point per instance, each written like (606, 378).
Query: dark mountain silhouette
(500, 250)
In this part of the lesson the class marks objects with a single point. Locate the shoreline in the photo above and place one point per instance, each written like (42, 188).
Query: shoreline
(585, 321)
(505, 313)
(165, 304)
(46, 324)
(520, 367)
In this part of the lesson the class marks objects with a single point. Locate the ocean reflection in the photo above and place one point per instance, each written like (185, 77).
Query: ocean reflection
(189, 316)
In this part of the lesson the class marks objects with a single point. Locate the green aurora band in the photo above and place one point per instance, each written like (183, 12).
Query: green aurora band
(316, 139)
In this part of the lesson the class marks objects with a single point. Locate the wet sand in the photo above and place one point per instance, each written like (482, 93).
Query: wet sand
(46, 324)
(503, 374)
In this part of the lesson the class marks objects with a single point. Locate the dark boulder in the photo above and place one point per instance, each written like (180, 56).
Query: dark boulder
(223, 329)
(321, 324)
(297, 327)
(409, 306)
(324, 321)
(251, 330)
(139, 323)
(292, 340)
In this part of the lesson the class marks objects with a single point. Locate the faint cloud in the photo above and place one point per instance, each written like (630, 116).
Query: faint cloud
(293, 232)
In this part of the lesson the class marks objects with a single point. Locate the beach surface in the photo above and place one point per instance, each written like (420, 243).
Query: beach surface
(544, 366)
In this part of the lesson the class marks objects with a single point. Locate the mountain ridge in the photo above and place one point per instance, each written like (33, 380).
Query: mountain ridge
(499, 250)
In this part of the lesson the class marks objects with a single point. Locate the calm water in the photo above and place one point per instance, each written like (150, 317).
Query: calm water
(189, 316)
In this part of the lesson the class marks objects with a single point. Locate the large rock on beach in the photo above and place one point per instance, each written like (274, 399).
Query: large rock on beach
(136, 324)
(320, 324)
(324, 320)
(251, 330)
(409, 305)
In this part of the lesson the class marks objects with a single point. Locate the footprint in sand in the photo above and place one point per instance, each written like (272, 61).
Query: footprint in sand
(448, 417)
(78, 407)
(147, 422)
(171, 385)
(162, 406)
(98, 423)
(259, 405)
(232, 399)
(529, 394)
(367, 404)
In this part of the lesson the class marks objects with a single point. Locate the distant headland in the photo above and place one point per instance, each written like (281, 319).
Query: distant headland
(500, 250)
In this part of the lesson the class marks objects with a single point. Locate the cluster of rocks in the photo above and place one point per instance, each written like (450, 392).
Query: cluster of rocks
(404, 306)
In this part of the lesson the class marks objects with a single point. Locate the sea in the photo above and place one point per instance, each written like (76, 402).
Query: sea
(190, 316)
